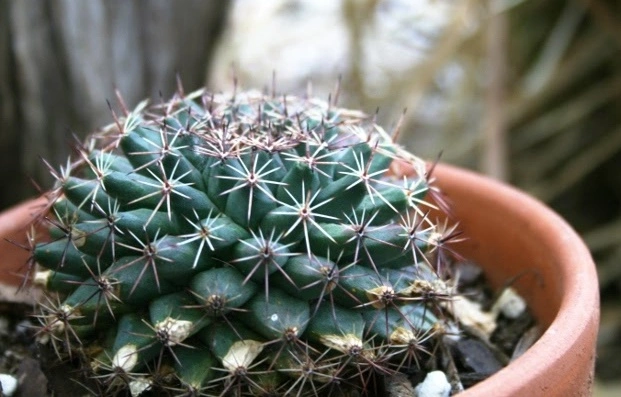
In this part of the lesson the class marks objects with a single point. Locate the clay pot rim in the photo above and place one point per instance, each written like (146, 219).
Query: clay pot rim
(578, 315)
(14, 223)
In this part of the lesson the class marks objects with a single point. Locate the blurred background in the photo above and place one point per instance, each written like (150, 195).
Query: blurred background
(526, 91)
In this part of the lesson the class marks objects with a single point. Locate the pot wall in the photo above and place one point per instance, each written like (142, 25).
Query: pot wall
(512, 235)
(14, 223)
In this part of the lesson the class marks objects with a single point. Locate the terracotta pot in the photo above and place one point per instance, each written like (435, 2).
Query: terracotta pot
(509, 234)
(14, 224)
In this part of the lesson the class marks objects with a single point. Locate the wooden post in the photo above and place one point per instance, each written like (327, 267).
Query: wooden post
(61, 60)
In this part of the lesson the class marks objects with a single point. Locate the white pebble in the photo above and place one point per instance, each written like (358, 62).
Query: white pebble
(139, 385)
(510, 304)
(470, 314)
(9, 384)
(434, 385)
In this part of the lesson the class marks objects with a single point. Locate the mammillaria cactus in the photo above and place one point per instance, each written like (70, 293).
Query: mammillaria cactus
(241, 245)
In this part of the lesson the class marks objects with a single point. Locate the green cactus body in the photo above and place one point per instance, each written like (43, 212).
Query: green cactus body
(251, 244)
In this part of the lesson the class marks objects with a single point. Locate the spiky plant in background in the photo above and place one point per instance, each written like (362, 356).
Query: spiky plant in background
(241, 245)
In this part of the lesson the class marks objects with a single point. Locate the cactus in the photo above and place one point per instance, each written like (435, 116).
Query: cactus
(241, 245)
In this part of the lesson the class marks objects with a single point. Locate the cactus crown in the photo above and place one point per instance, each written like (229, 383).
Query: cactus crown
(241, 245)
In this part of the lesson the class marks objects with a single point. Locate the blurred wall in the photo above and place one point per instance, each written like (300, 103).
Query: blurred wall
(389, 54)
(61, 60)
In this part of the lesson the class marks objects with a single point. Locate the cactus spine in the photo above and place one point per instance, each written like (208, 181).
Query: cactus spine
(240, 245)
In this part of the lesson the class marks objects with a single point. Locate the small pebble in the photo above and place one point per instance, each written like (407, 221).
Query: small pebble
(24, 327)
(434, 385)
(526, 341)
(477, 356)
(9, 384)
(138, 386)
(510, 304)
(470, 314)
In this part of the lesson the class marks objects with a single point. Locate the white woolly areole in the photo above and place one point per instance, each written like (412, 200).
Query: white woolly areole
(402, 336)
(424, 287)
(177, 330)
(41, 277)
(434, 238)
(374, 295)
(126, 358)
(78, 237)
(56, 327)
(342, 343)
(470, 314)
(241, 354)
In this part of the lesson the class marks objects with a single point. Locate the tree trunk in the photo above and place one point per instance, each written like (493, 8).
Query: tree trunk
(61, 60)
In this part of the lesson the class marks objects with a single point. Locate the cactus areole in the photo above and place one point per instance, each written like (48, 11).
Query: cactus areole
(241, 245)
